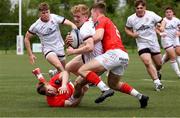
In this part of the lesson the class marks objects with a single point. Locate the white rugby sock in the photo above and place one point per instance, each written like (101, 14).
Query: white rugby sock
(136, 94)
(102, 86)
(157, 81)
(39, 76)
(175, 67)
(178, 59)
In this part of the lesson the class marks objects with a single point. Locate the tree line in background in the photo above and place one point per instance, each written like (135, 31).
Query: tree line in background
(62, 7)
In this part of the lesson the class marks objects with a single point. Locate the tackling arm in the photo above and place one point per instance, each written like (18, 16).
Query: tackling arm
(98, 35)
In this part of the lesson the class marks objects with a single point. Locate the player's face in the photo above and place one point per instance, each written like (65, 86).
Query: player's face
(45, 15)
(94, 15)
(140, 10)
(169, 14)
(79, 19)
(50, 90)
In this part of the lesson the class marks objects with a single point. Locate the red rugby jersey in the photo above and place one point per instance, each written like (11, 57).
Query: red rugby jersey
(112, 38)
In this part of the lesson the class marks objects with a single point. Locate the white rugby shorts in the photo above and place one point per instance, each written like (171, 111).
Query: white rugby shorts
(177, 42)
(114, 60)
(167, 42)
(59, 53)
(153, 47)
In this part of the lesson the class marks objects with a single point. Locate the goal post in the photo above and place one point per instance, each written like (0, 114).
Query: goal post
(19, 38)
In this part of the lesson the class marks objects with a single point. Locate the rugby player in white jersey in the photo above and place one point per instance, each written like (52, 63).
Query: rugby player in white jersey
(114, 59)
(47, 29)
(87, 50)
(170, 40)
(141, 26)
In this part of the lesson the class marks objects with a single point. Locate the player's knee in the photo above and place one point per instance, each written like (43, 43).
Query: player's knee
(147, 62)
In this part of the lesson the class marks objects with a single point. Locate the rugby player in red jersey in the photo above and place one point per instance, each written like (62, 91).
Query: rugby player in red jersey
(54, 97)
(115, 59)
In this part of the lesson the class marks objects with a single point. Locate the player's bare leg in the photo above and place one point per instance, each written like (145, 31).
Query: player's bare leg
(54, 60)
(157, 59)
(73, 65)
(177, 49)
(146, 59)
(172, 56)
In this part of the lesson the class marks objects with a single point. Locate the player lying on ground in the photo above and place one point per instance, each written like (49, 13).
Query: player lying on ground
(54, 97)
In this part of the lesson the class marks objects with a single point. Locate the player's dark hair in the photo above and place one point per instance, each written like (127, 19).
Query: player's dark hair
(169, 8)
(43, 7)
(101, 6)
(41, 88)
(140, 2)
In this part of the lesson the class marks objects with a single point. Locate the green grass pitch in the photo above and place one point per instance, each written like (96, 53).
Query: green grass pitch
(18, 97)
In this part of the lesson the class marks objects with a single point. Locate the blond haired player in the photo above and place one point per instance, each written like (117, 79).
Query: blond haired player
(88, 50)
(114, 59)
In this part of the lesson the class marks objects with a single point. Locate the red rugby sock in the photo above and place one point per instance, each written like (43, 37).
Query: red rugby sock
(93, 78)
(125, 88)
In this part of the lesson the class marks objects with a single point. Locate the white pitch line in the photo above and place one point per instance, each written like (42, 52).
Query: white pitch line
(161, 80)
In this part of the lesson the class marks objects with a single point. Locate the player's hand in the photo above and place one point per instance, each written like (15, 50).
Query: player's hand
(32, 58)
(163, 34)
(135, 35)
(70, 50)
(63, 90)
(68, 39)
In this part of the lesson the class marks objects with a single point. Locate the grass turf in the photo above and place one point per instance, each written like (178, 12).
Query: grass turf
(18, 97)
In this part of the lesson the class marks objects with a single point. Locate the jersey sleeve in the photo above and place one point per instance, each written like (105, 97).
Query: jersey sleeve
(156, 17)
(129, 23)
(33, 29)
(178, 24)
(100, 24)
(58, 19)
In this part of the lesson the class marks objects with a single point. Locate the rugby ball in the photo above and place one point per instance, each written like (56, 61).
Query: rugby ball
(75, 38)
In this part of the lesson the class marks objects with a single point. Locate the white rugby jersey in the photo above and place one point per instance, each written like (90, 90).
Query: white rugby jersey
(88, 30)
(49, 33)
(144, 26)
(171, 27)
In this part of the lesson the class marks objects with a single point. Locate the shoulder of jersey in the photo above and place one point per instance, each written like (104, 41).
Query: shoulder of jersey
(88, 24)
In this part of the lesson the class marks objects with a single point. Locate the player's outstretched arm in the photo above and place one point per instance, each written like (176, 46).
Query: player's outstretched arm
(68, 22)
(32, 57)
(64, 77)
